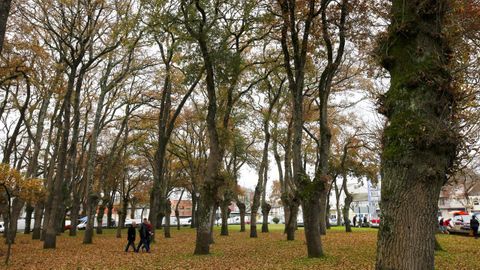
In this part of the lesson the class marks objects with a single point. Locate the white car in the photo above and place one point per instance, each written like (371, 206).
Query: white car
(460, 224)
(2, 228)
(128, 222)
(82, 223)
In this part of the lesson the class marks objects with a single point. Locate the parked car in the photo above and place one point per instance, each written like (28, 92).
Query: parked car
(2, 228)
(183, 221)
(82, 223)
(375, 222)
(234, 220)
(128, 222)
(460, 223)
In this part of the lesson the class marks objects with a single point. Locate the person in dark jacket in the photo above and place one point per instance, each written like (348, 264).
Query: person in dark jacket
(144, 236)
(131, 237)
(474, 226)
(355, 221)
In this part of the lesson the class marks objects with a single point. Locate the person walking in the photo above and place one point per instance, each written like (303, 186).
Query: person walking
(131, 237)
(474, 226)
(143, 231)
(365, 221)
(355, 221)
(149, 233)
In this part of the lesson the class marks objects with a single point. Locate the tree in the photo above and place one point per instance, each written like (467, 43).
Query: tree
(419, 140)
(4, 12)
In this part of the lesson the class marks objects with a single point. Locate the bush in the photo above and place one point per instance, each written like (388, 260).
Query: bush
(276, 220)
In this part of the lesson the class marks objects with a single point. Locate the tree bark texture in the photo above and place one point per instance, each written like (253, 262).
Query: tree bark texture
(225, 211)
(4, 12)
(243, 209)
(419, 140)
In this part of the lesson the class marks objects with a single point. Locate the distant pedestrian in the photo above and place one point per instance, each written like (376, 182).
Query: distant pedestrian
(441, 226)
(149, 233)
(365, 221)
(131, 237)
(144, 236)
(355, 221)
(360, 222)
(474, 226)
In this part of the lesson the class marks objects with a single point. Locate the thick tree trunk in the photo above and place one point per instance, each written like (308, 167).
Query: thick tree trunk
(4, 12)
(265, 212)
(339, 213)
(419, 141)
(133, 208)
(225, 212)
(109, 215)
(312, 220)
(254, 212)
(38, 213)
(203, 238)
(168, 212)
(291, 220)
(28, 218)
(91, 211)
(346, 210)
(122, 216)
(74, 211)
(177, 216)
(243, 209)
(17, 206)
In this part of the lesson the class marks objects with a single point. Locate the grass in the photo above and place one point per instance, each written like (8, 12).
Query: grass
(237, 251)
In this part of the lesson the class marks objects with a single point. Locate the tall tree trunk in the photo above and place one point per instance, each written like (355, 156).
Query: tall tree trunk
(243, 209)
(265, 212)
(101, 213)
(74, 214)
(323, 213)
(109, 214)
(168, 212)
(55, 197)
(291, 220)
(38, 213)
(16, 208)
(225, 210)
(211, 184)
(122, 216)
(4, 12)
(419, 140)
(28, 218)
(133, 208)
(254, 211)
(311, 221)
(92, 203)
(346, 210)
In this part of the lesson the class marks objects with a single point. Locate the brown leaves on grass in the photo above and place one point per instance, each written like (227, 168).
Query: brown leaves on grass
(237, 251)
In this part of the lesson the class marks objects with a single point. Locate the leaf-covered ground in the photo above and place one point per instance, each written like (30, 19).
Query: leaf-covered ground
(237, 251)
